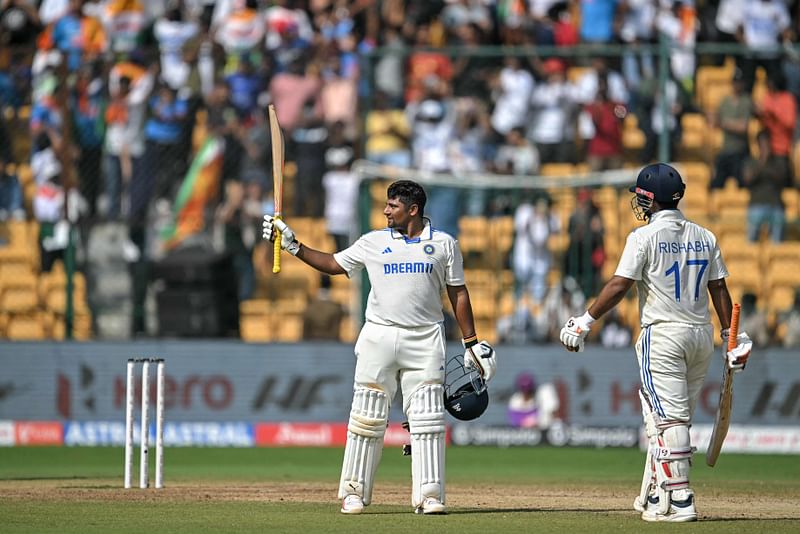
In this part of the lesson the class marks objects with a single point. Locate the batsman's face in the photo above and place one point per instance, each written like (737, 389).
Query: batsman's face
(397, 214)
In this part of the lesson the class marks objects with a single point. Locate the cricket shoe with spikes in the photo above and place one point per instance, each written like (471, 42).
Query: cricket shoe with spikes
(680, 511)
(352, 504)
(432, 506)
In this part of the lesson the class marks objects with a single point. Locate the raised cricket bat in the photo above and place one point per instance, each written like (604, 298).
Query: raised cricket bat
(723, 419)
(277, 182)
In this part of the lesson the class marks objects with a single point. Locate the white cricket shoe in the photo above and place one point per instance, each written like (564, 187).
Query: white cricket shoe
(352, 504)
(679, 511)
(431, 505)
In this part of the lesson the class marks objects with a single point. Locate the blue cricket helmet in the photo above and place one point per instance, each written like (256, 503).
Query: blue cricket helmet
(656, 182)
(465, 393)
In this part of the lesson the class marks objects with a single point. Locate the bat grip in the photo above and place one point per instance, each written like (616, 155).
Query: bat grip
(734, 331)
(276, 251)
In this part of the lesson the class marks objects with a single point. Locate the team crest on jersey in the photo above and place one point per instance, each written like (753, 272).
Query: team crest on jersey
(428, 249)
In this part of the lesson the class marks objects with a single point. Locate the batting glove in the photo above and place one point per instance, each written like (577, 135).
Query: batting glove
(289, 242)
(737, 358)
(480, 356)
(575, 331)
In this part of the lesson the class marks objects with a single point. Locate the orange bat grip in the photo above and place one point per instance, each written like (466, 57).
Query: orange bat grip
(734, 332)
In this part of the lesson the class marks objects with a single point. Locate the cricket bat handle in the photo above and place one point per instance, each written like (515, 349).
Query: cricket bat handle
(276, 250)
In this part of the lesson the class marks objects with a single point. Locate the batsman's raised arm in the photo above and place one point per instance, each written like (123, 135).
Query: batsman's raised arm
(321, 261)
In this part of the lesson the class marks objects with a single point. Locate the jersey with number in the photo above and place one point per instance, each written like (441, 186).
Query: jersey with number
(407, 275)
(672, 260)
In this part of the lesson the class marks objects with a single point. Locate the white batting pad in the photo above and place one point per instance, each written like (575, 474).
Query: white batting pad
(427, 427)
(368, 416)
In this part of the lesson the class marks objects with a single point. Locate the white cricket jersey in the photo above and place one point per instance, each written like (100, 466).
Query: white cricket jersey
(672, 260)
(407, 275)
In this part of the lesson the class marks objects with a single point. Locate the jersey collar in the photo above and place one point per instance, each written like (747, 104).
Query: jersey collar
(425, 235)
(675, 215)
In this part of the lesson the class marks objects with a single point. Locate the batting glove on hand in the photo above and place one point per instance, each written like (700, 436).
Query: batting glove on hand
(289, 242)
(737, 358)
(573, 334)
(481, 357)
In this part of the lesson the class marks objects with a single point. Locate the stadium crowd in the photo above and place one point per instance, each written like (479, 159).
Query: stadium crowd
(121, 94)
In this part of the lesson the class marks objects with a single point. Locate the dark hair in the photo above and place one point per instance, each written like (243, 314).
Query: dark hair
(409, 193)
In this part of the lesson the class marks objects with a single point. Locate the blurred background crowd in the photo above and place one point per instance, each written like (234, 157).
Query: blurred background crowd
(132, 129)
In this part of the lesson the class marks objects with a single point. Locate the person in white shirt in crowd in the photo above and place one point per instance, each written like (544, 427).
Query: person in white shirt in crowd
(173, 31)
(341, 195)
(532, 405)
(555, 106)
(402, 343)
(433, 122)
(511, 91)
(678, 23)
(765, 25)
(517, 155)
(534, 223)
(638, 17)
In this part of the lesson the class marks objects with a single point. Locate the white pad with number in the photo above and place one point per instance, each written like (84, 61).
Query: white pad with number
(427, 427)
(368, 417)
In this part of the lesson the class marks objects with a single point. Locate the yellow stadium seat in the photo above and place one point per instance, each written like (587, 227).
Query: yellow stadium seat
(694, 132)
(289, 329)
(787, 250)
(25, 327)
(255, 328)
(254, 307)
(501, 231)
(347, 330)
(737, 247)
(781, 298)
(695, 174)
(746, 274)
(783, 272)
(557, 169)
(791, 197)
(19, 300)
(473, 234)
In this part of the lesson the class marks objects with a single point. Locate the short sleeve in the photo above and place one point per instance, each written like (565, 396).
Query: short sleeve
(717, 268)
(632, 260)
(353, 257)
(455, 266)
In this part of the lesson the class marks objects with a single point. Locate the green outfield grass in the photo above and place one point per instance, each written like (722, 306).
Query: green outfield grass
(503, 490)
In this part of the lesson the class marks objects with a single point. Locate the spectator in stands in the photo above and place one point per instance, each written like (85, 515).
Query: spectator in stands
(309, 140)
(338, 97)
(677, 21)
(425, 64)
(765, 177)
(777, 111)
(164, 160)
(598, 20)
(10, 190)
(172, 32)
(562, 302)
(732, 117)
(585, 253)
(653, 121)
(322, 318)
(341, 188)
(754, 321)
(292, 91)
(10, 193)
(517, 155)
(764, 25)
(124, 140)
(387, 134)
(790, 323)
(80, 37)
(389, 68)
(534, 223)
(19, 27)
(125, 22)
(87, 102)
(638, 25)
(511, 90)
(245, 86)
(587, 85)
(239, 214)
(615, 335)
(239, 31)
(554, 106)
(433, 128)
(531, 406)
(606, 115)
(471, 73)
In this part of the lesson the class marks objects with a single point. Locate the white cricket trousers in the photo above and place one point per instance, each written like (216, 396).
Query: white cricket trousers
(673, 361)
(388, 355)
